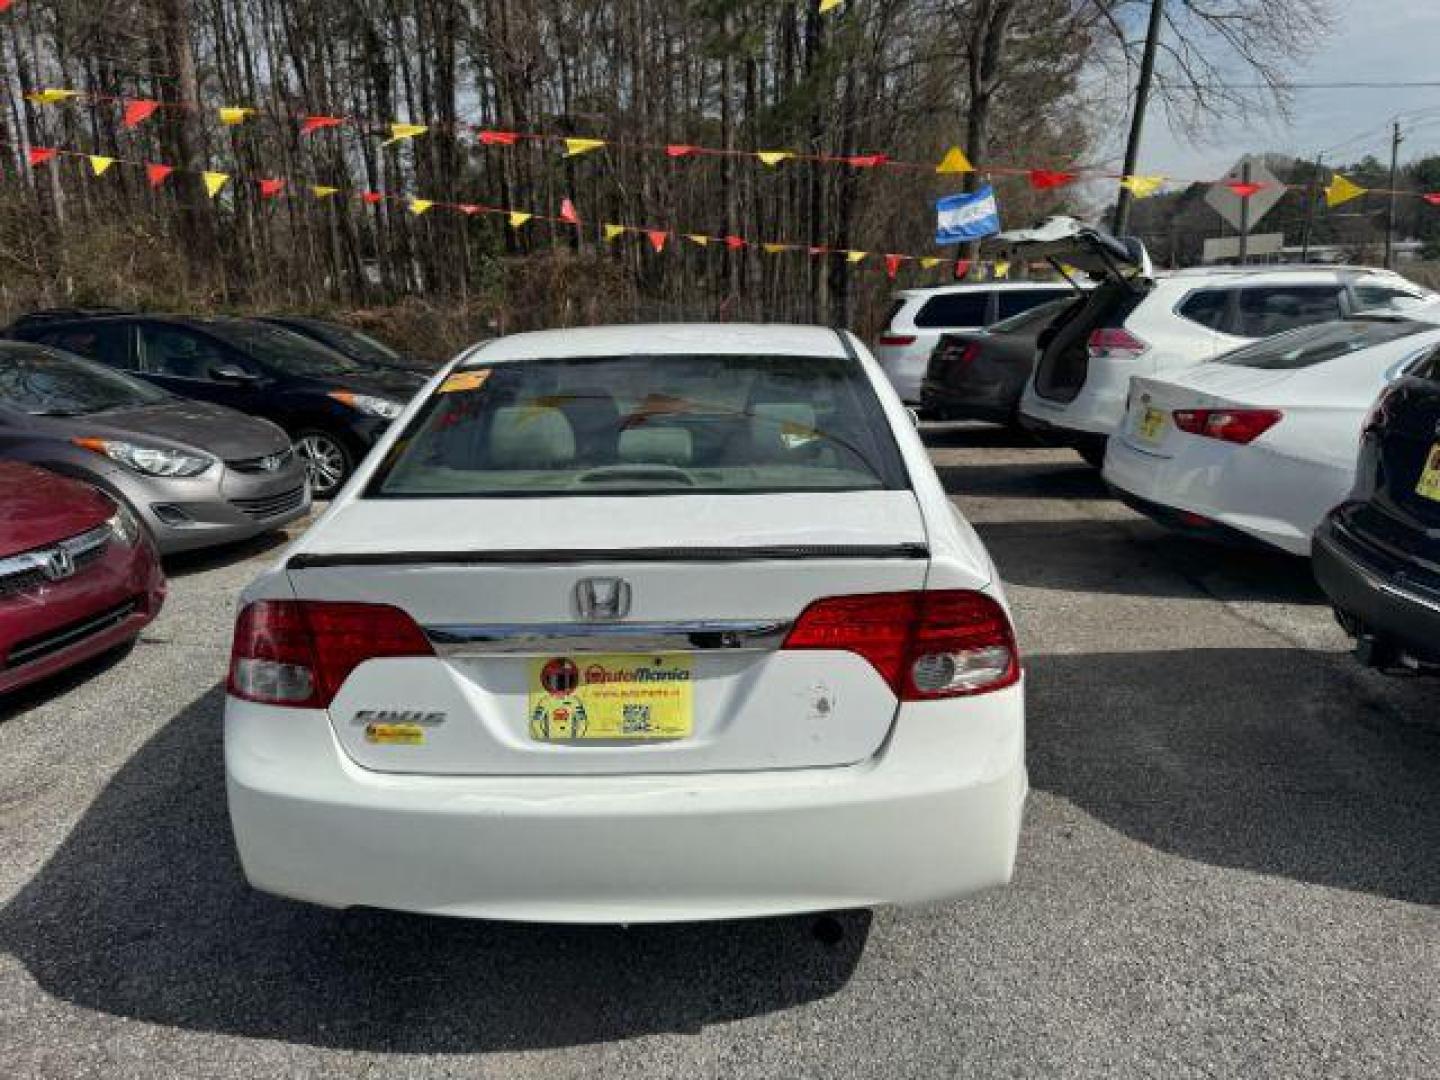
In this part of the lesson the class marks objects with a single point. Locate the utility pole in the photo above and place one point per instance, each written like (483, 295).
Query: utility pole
(1137, 118)
(1310, 208)
(1395, 140)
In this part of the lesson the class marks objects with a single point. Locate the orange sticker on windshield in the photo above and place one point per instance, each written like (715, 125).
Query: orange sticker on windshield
(463, 381)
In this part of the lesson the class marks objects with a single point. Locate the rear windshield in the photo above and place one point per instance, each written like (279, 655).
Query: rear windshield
(1039, 315)
(647, 425)
(957, 310)
(1312, 345)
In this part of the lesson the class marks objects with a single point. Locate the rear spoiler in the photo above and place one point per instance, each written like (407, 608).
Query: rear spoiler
(575, 556)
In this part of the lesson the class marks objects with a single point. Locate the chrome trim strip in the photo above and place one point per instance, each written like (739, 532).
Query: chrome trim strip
(1380, 584)
(541, 639)
(30, 561)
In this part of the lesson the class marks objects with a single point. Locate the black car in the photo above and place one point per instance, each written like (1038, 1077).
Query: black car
(980, 374)
(346, 340)
(332, 407)
(1377, 555)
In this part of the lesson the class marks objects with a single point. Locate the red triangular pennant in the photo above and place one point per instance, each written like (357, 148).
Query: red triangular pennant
(158, 174)
(468, 209)
(1242, 189)
(1433, 198)
(138, 111)
(567, 212)
(270, 188)
(867, 161)
(1043, 179)
(498, 138)
(892, 265)
(734, 243)
(962, 268)
(657, 238)
(371, 198)
(679, 150)
(817, 250)
(39, 155)
(312, 124)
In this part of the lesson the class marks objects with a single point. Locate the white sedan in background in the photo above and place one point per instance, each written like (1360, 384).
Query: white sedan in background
(1262, 442)
(632, 624)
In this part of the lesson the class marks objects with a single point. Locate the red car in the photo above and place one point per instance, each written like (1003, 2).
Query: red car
(78, 576)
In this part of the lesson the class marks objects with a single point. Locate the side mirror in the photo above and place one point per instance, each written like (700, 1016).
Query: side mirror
(232, 373)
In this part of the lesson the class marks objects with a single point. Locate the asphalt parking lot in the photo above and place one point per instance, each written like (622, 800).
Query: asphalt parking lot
(1230, 866)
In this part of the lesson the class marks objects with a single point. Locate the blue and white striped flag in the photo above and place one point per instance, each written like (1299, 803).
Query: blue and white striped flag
(967, 217)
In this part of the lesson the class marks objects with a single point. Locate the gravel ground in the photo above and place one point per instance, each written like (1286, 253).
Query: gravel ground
(1230, 866)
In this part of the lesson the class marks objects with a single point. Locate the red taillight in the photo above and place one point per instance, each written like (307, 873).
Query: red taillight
(926, 645)
(967, 355)
(1115, 343)
(897, 339)
(299, 652)
(1228, 425)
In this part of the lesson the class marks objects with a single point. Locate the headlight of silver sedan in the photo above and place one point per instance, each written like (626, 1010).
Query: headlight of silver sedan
(149, 460)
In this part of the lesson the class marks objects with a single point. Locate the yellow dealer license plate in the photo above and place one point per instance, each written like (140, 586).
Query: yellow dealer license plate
(1150, 425)
(1429, 485)
(611, 697)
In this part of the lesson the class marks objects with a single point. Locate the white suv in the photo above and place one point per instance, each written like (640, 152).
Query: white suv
(1138, 322)
(919, 316)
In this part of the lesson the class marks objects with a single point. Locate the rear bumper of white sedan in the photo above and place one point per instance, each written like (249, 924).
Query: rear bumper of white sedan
(934, 815)
(1271, 497)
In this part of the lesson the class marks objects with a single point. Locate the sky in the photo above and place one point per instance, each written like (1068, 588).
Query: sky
(1372, 39)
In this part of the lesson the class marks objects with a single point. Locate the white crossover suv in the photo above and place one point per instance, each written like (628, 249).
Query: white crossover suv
(1138, 322)
(918, 318)
(630, 624)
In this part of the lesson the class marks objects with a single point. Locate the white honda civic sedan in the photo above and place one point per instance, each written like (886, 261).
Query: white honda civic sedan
(632, 624)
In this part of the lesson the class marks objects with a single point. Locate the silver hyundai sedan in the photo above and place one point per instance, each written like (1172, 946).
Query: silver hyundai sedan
(196, 474)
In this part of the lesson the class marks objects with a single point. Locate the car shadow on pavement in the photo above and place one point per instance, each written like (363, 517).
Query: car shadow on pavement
(143, 913)
(1274, 761)
(1041, 479)
(976, 434)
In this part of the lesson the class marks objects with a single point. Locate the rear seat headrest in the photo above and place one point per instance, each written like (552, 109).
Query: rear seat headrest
(530, 437)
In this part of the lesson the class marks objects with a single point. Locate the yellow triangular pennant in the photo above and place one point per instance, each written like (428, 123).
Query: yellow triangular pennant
(232, 115)
(612, 231)
(518, 218)
(576, 147)
(320, 191)
(829, 5)
(99, 165)
(855, 256)
(214, 181)
(51, 96)
(419, 206)
(697, 238)
(774, 157)
(954, 161)
(1342, 190)
(1002, 269)
(929, 262)
(399, 132)
(1142, 186)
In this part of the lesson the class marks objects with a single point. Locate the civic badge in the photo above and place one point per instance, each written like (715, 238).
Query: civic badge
(602, 599)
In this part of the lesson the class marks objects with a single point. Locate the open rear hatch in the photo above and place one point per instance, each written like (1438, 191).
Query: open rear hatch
(653, 647)
(1121, 266)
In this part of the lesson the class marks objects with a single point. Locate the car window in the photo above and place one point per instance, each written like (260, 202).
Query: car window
(284, 350)
(107, 343)
(179, 353)
(1039, 314)
(355, 344)
(1312, 345)
(644, 425)
(1273, 309)
(1018, 301)
(954, 310)
(1383, 297)
(1208, 307)
(44, 382)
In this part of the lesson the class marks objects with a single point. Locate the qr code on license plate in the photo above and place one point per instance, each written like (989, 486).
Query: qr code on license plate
(635, 719)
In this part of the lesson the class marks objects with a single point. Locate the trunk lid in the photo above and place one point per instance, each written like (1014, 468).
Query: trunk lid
(1065, 240)
(705, 586)
(1408, 478)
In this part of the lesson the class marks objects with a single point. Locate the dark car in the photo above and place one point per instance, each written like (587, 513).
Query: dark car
(1377, 555)
(346, 340)
(194, 473)
(980, 374)
(78, 576)
(332, 407)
